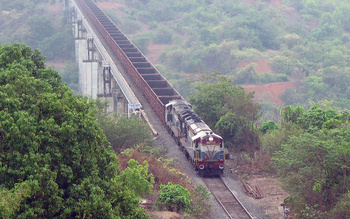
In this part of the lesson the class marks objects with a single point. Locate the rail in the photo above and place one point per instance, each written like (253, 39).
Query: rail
(226, 198)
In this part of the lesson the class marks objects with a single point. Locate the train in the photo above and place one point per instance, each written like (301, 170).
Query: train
(201, 145)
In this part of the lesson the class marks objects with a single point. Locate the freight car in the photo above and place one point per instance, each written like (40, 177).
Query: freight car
(204, 148)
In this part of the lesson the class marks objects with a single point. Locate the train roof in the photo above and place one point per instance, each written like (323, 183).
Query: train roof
(189, 117)
(197, 127)
(204, 135)
(185, 113)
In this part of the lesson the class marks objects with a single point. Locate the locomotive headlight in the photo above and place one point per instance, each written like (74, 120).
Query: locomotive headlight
(201, 167)
(211, 138)
(221, 167)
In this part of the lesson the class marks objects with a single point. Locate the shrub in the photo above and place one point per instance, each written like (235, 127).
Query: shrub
(174, 197)
(163, 36)
(201, 207)
(268, 126)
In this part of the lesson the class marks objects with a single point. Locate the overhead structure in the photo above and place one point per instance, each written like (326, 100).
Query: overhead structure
(99, 74)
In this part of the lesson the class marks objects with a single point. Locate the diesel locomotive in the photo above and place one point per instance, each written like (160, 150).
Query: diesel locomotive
(202, 146)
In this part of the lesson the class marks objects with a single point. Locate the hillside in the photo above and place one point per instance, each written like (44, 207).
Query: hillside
(42, 26)
(258, 43)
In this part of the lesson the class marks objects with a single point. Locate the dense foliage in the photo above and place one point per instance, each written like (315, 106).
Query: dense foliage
(304, 40)
(228, 110)
(42, 25)
(166, 171)
(310, 152)
(123, 132)
(35, 23)
(174, 197)
(55, 161)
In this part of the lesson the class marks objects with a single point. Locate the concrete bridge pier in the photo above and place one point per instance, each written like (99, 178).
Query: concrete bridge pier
(95, 77)
(99, 76)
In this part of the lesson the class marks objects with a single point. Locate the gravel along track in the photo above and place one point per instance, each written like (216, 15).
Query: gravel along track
(226, 198)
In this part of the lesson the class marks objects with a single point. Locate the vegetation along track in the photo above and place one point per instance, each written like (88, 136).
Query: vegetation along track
(223, 194)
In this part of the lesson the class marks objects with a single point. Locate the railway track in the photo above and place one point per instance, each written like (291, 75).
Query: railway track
(225, 197)
(155, 88)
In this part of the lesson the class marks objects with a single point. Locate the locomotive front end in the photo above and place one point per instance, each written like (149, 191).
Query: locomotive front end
(209, 153)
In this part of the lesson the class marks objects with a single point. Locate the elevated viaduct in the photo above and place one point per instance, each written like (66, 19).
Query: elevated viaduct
(100, 72)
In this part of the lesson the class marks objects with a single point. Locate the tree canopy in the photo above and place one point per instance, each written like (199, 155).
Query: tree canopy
(229, 110)
(55, 160)
(308, 43)
(313, 160)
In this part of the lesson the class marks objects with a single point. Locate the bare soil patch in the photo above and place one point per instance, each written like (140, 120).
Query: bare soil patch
(276, 3)
(262, 65)
(270, 91)
(273, 195)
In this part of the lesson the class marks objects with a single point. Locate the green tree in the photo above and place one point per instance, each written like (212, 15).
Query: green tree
(70, 76)
(163, 35)
(285, 65)
(59, 45)
(9, 5)
(248, 75)
(40, 27)
(291, 114)
(51, 137)
(290, 40)
(11, 200)
(137, 178)
(316, 117)
(229, 109)
(200, 204)
(174, 197)
(314, 167)
(268, 126)
(123, 132)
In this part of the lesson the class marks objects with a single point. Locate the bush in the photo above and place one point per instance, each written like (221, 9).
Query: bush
(141, 41)
(174, 198)
(163, 36)
(268, 126)
(201, 207)
(284, 65)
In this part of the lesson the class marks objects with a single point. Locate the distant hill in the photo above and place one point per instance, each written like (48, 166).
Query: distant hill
(292, 40)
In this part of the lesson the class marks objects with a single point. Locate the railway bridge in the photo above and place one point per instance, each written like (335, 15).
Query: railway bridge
(99, 72)
(111, 67)
(104, 54)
